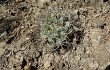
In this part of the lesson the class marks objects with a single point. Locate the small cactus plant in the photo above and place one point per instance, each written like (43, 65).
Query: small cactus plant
(55, 29)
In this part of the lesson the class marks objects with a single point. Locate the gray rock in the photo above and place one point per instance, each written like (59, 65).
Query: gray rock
(80, 50)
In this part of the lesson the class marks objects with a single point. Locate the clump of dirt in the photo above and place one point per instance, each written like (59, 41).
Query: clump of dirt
(22, 46)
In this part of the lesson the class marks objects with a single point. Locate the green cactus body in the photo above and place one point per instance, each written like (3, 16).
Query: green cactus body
(55, 30)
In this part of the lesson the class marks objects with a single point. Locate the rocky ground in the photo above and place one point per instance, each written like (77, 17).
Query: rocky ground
(21, 47)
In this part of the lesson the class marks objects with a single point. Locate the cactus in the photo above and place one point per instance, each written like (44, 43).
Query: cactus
(55, 29)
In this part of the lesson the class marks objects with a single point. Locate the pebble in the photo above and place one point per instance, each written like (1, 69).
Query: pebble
(80, 50)
(27, 38)
(27, 67)
(108, 48)
(77, 58)
(18, 1)
(93, 65)
(2, 51)
(43, 3)
(101, 24)
(2, 44)
(47, 64)
(36, 54)
(8, 53)
(3, 34)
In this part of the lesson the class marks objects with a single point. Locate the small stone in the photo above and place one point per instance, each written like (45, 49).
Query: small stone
(3, 34)
(19, 57)
(18, 1)
(93, 64)
(27, 67)
(8, 53)
(80, 50)
(22, 27)
(2, 44)
(47, 64)
(77, 58)
(36, 54)
(108, 48)
(101, 24)
(27, 38)
(83, 11)
(2, 51)
(43, 3)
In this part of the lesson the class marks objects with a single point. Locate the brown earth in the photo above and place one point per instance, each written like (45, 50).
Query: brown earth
(21, 47)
